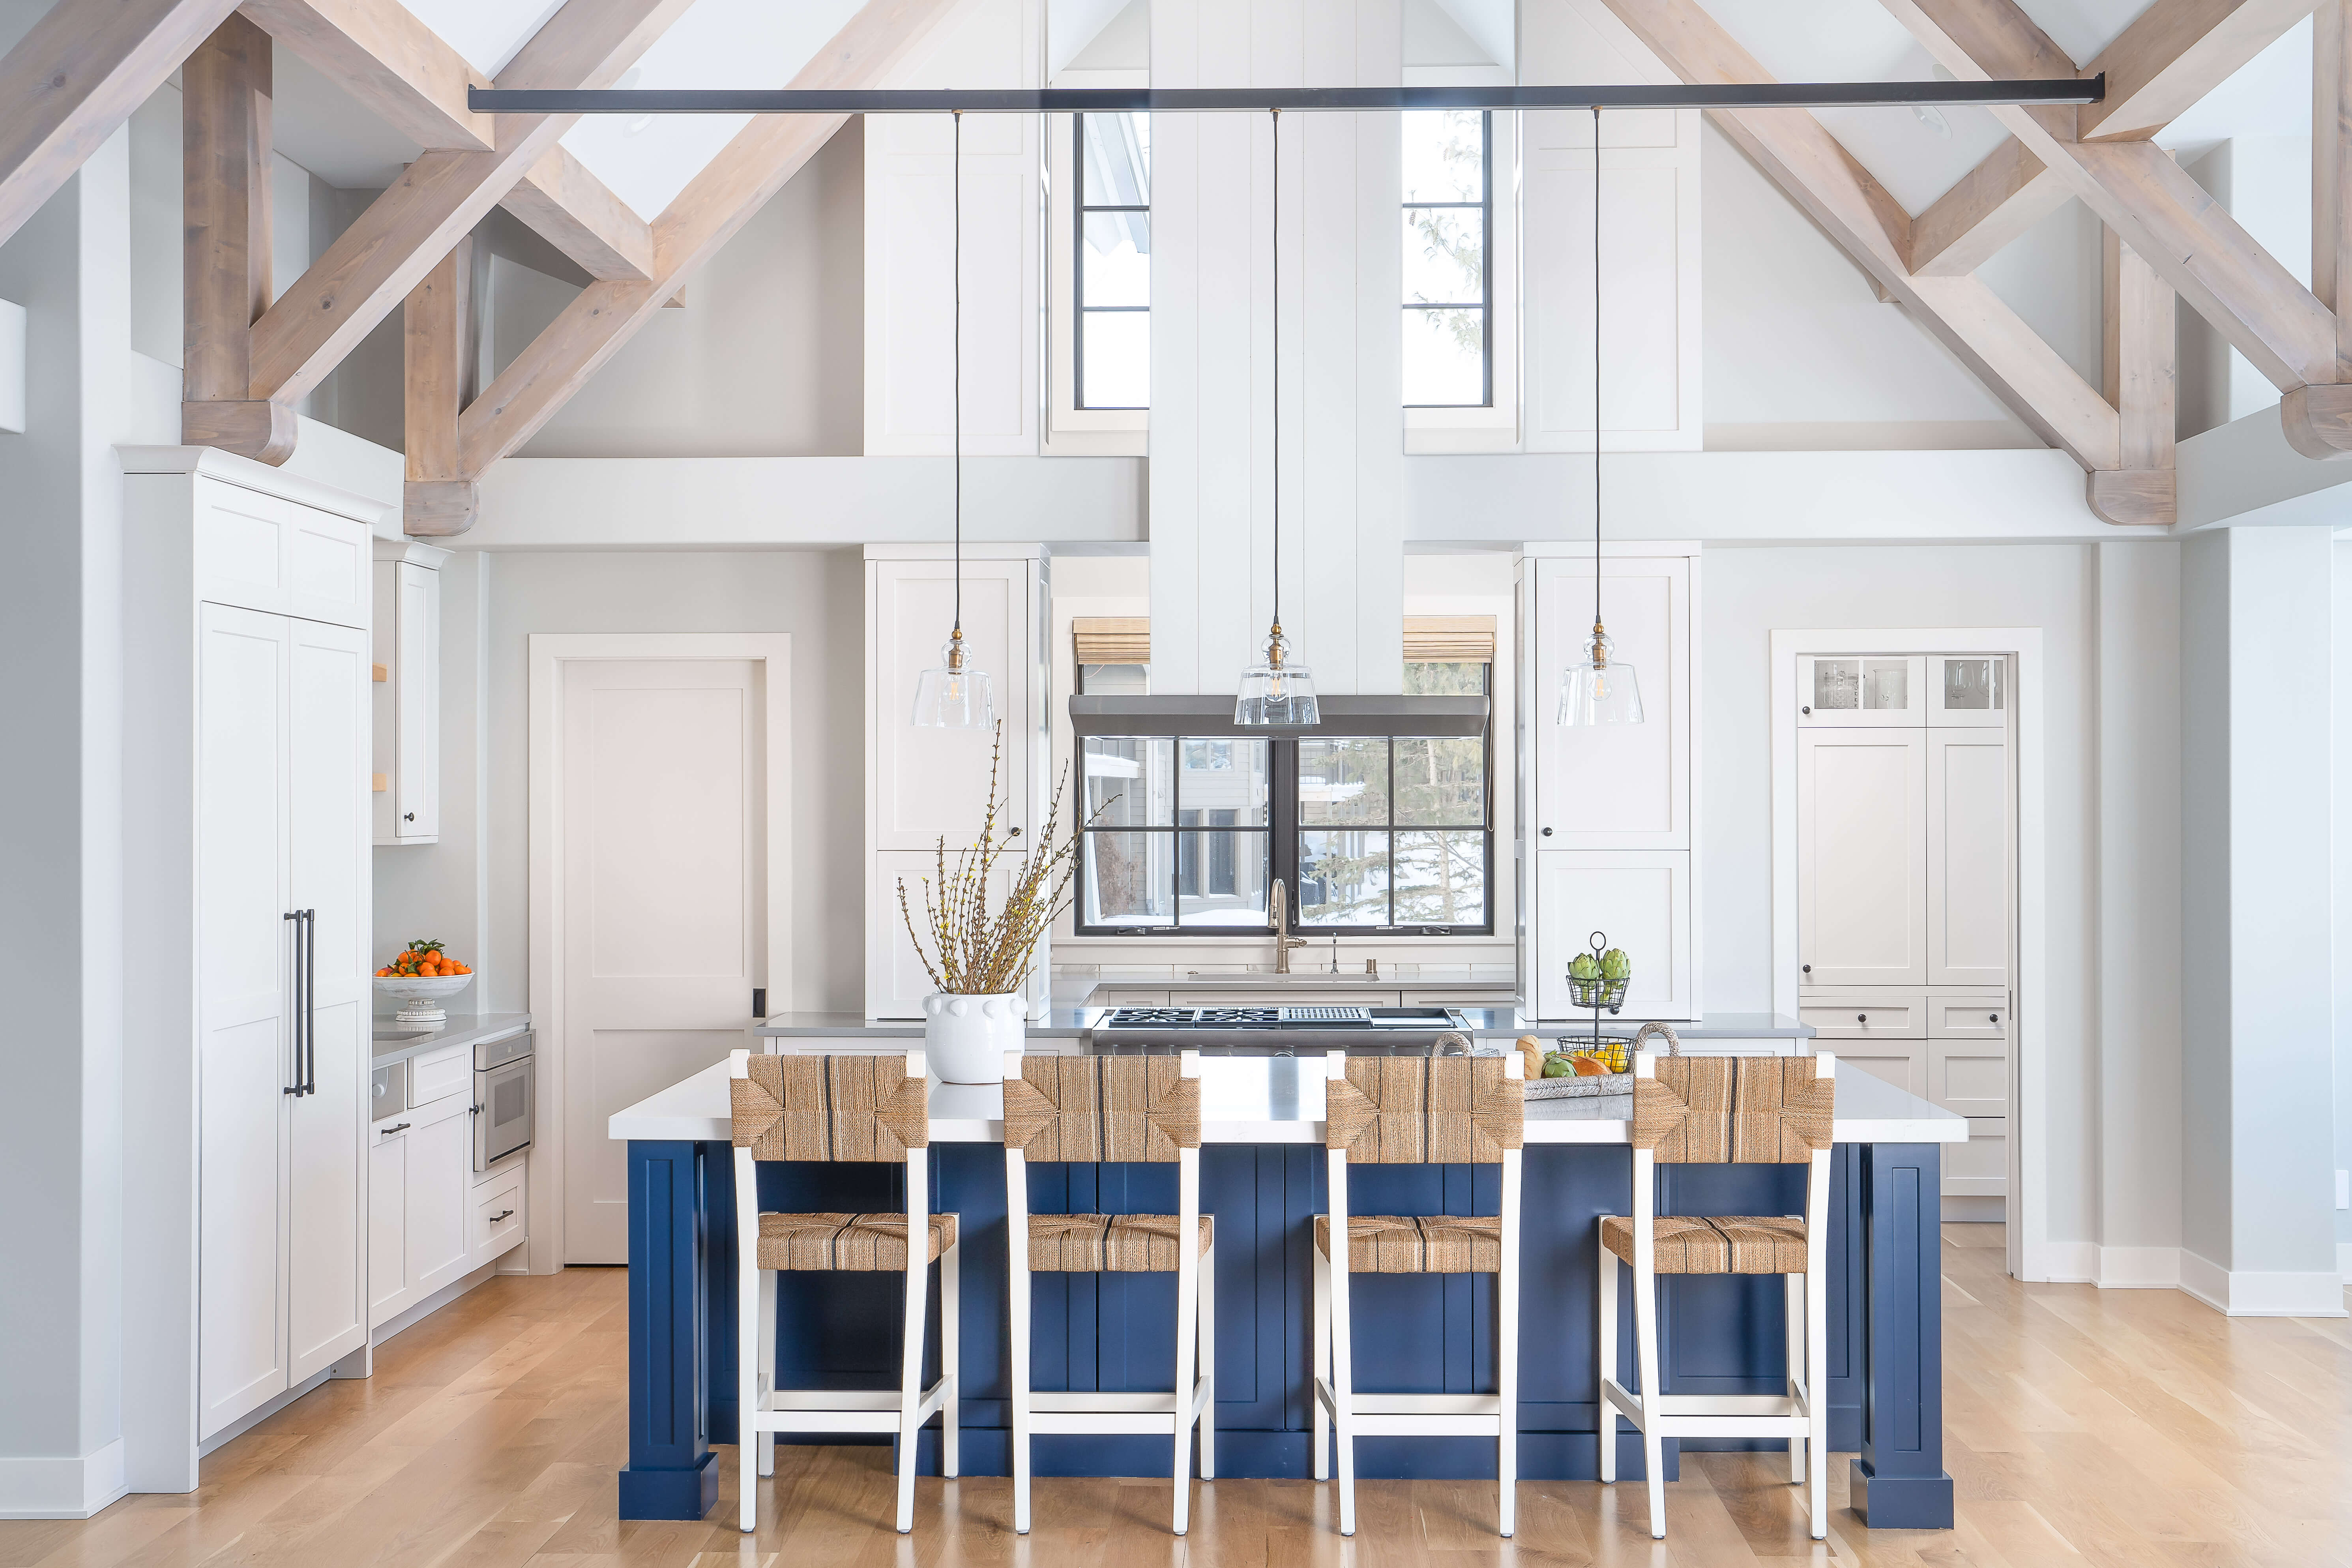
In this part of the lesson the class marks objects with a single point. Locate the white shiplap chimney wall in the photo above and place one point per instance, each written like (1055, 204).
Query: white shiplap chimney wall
(1211, 381)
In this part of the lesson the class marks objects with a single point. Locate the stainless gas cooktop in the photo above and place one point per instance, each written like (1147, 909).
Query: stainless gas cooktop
(1282, 1030)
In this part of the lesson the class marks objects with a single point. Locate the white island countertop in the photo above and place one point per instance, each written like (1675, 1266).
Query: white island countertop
(1279, 1100)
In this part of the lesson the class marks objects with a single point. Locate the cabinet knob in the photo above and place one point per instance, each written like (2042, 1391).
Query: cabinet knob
(1804, 710)
(1809, 969)
(1996, 1018)
(1013, 834)
(407, 816)
(1862, 1018)
(1546, 832)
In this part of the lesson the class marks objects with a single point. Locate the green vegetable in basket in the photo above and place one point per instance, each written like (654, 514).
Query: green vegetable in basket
(1615, 965)
(1584, 967)
(1557, 1066)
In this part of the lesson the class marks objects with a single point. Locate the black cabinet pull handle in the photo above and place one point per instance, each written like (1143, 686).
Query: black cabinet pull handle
(390, 1130)
(502, 1214)
(295, 1014)
(309, 1001)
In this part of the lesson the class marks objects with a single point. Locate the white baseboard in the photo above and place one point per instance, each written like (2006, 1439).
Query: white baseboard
(1974, 1211)
(2255, 1293)
(2344, 1262)
(434, 1302)
(63, 1489)
(2138, 1269)
(2062, 1262)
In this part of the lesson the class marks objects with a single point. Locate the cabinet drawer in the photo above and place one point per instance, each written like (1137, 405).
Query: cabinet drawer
(1972, 1080)
(438, 1076)
(1902, 1064)
(1979, 1167)
(1967, 1015)
(498, 1223)
(1776, 1045)
(1502, 997)
(1863, 1015)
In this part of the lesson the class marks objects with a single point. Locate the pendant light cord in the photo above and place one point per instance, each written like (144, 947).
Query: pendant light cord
(1596, 368)
(1273, 247)
(957, 376)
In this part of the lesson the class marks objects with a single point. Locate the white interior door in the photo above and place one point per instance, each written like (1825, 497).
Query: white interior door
(244, 1043)
(328, 851)
(1967, 858)
(1862, 856)
(662, 841)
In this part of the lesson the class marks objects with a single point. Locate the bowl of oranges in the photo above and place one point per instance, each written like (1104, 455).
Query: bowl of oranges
(420, 977)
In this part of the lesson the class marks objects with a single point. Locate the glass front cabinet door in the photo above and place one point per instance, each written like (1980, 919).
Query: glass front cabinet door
(1862, 692)
(1967, 689)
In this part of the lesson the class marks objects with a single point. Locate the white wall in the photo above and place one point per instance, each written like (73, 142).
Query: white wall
(2341, 709)
(1749, 593)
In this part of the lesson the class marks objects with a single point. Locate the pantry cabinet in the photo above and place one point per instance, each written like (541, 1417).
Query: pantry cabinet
(405, 780)
(1608, 832)
(1905, 891)
(926, 786)
(246, 689)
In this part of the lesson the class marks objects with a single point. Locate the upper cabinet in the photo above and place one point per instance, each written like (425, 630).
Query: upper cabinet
(406, 651)
(1606, 811)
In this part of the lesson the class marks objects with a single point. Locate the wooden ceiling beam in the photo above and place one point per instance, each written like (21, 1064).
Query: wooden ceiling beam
(2138, 353)
(76, 77)
(2160, 212)
(2317, 420)
(394, 65)
(719, 200)
(578, 214)
(224, 148)
(2175, 53)
(1993, 204)
(1798, 152)
(435, 344)
(439, 199)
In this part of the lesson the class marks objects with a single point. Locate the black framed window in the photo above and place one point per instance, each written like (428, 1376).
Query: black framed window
(1389, 835)
(1112, 362)
(1449, 210)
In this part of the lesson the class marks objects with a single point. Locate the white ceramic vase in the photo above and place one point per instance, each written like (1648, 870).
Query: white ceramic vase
(966, 1038)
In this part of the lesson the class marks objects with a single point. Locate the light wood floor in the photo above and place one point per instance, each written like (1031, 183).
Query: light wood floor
(2124, 1429)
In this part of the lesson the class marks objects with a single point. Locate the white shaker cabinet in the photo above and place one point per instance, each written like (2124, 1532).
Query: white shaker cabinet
(1605, 812)
(1862, 856)
(406, 776)
(246, 691)
(1968, 855)
(924, 784)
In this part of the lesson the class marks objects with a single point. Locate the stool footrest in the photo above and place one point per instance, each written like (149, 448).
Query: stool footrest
(841, 1409)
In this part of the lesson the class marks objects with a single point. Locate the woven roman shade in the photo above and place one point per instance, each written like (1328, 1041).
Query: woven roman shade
(1449, 640)
(1432, 639)
(1112, 639)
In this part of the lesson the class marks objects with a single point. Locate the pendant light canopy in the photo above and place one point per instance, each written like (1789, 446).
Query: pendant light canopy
(1277, 691)
(953, 694)
(1601, 690)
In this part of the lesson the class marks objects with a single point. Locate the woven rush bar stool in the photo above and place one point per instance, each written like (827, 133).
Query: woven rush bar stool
(1775, 1110)
(1092, 1110)
(863, 1108)
(1417, 1110)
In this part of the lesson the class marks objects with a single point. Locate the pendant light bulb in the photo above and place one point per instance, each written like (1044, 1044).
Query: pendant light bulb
(952, 695)
(1278, 691)
(1602, 689)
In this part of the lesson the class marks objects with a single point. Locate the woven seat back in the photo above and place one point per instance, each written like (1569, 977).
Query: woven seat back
(1424, 1111)
(1706, 1111)
(1090, 1110)
(829, 1108)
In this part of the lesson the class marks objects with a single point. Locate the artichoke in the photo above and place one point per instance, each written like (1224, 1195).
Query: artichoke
(1615, 965)
(1584, 967)
(1557, 1066)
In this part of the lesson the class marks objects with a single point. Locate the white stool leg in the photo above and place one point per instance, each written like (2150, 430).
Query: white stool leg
(1018, 1329)
(1187, 1324)
(1800, 1375)
(1208, 1375)
(951, 1402)
(749, 1279)
(1645, 1354)
(1343, 1394)
(1606, 1335)
(911, 1373)
(1320, 1418)
(1507, 1443)
(768, 1361)
(1816, 1361)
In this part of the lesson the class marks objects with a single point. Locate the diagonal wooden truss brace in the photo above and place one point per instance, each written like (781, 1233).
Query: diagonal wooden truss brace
(1798, 152)
(2141, 193)
(751, 168)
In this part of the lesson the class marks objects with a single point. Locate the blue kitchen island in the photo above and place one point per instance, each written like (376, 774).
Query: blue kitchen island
(1262, 1174)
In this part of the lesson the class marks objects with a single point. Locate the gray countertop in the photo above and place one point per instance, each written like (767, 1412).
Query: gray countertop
(394, 1042)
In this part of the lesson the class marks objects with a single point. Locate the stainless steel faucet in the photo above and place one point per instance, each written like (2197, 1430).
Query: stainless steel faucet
(1277, 920)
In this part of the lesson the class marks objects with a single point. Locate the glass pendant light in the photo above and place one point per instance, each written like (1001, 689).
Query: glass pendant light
(1602, 689)
(1277, 691)
(952, 695)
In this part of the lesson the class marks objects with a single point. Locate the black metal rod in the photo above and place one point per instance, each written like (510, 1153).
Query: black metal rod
(1212, 99)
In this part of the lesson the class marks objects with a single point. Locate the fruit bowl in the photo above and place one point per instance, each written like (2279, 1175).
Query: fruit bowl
(420, 995)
